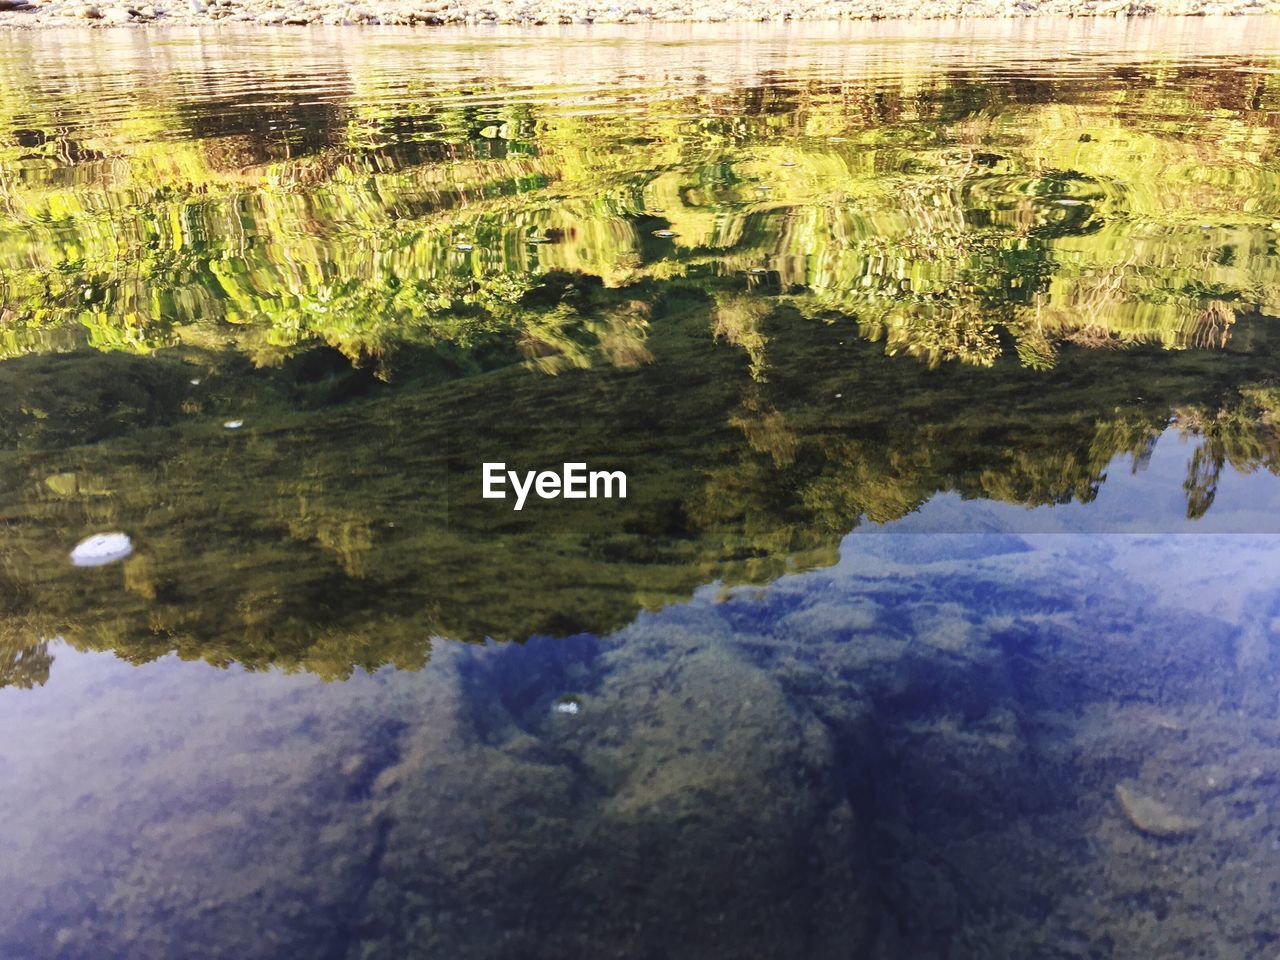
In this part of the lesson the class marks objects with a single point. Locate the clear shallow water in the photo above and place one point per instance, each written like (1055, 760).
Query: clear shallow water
(939, 359)
(913, 753)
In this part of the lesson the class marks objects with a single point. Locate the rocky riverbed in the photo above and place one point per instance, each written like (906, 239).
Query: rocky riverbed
(942, 748)
(121, 13)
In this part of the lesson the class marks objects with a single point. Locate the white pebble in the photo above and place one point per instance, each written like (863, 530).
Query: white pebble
(101, 548)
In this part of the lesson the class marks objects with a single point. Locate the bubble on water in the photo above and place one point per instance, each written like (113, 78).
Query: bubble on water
(569, 706)
(234, 424)
(100, 549)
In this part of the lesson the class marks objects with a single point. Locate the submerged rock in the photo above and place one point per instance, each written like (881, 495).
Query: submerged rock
(699, 783)
(1151, 816)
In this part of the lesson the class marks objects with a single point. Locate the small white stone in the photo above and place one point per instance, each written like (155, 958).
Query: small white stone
(101, 548)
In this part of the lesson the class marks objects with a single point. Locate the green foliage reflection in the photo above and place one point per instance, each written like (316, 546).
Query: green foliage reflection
(702, 289)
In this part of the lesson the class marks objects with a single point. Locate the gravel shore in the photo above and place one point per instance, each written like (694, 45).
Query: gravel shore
(283, 13)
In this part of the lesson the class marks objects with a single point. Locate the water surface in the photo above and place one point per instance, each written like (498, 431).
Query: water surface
(938, 620)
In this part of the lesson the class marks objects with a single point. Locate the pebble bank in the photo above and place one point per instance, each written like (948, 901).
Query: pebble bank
(291, 13)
